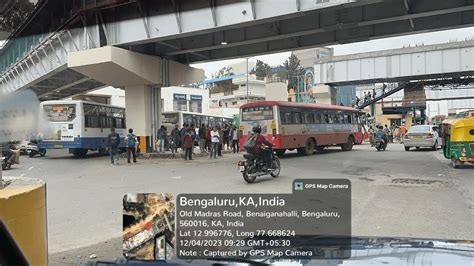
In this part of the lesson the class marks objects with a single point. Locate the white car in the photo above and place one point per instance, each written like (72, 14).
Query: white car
(422, 136)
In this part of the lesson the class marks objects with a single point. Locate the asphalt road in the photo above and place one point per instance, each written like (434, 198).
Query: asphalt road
(395, 193)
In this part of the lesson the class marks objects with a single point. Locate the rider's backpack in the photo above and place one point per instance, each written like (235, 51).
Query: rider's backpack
(251, 143)
(131, 140)
(114, 140)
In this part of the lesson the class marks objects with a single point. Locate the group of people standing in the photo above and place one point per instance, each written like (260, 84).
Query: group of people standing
(211, 139)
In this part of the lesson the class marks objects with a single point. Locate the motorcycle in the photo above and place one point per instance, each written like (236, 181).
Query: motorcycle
(6, 162)
(380, 144)
(33, 149)
(254, 166)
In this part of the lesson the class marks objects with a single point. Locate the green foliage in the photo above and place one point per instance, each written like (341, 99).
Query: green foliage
(293, 69)
(262, 70)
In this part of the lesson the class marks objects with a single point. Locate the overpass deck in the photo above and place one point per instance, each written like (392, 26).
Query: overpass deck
(448, 60)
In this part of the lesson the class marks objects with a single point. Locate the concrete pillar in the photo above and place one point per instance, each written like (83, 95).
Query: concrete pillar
(143, 112)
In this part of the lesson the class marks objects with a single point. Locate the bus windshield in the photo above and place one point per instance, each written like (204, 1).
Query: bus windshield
(171, 118)
(257, 113)
(60, 112)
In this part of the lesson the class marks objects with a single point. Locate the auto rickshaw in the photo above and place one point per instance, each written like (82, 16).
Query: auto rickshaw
(458, 140)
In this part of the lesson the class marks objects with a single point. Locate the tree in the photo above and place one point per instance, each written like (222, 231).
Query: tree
(13, 14)
(262, 70)
(293, 69)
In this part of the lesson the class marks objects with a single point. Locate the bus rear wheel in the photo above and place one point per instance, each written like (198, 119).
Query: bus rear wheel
(348, 145)
(79, 152)
(308, 149)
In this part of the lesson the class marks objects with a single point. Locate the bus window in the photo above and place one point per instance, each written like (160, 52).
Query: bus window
(308, 118)
(297, 118)
(119, 123)
(171, 118)
(91, 121)
(317, 118)
(348, 119)
(60, 112)
(257, 113)
(327, 118)
(287, 118)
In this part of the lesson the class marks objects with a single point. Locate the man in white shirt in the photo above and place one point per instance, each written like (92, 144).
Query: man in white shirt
(215, 139)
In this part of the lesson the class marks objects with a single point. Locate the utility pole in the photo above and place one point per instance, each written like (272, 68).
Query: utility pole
(247, 84)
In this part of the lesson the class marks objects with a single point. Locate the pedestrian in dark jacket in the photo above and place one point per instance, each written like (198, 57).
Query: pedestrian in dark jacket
(209, 139)
(182, 132)
(202, 138)
(226, 137)
(161, 134)
(113, 142)
(175, 138)
(188, 145)
(131, 141)
(221, 141)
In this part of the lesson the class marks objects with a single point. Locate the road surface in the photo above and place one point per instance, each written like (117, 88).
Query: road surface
(395, 193)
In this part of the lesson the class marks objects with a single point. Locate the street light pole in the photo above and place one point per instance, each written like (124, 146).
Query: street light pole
(247, 84)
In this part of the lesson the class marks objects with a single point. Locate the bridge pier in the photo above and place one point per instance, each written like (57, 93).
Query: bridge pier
(143, 111)
(142, 77)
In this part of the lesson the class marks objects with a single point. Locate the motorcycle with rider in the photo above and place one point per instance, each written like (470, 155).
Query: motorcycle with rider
(260, 157)
(381, 139)
(10, 155)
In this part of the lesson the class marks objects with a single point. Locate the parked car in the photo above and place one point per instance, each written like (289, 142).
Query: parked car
(422, 136)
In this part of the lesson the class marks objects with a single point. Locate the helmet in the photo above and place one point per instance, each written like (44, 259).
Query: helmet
(257, 129)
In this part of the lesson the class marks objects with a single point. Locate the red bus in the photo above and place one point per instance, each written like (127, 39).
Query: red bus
(302, 126)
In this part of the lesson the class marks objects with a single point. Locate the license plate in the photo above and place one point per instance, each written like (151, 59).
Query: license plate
(417, 137)
(58, 146)
(241, 168)
(28, 151)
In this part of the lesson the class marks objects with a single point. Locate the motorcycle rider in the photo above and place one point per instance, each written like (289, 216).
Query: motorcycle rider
(260, 150)
(381, 134)
(7, 151)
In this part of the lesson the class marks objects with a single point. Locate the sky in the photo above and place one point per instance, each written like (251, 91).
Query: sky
(360, 47)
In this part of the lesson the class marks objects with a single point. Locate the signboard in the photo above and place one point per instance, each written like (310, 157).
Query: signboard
(179, 97)
(196, 97)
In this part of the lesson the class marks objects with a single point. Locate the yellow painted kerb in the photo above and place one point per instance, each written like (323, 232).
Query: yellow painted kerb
(23, 210)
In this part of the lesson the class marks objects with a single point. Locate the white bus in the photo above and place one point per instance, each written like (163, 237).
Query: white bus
(81, 126)
(170, 119)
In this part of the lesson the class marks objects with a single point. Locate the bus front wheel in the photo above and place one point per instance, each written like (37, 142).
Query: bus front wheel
(79, 152)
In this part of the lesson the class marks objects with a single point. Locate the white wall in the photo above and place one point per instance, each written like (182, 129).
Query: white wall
(117, 96)
(276, 91)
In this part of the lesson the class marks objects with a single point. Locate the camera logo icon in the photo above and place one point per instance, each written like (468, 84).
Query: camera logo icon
(298, 186)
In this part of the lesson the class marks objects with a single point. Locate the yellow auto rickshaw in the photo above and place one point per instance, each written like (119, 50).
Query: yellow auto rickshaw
(458, 140)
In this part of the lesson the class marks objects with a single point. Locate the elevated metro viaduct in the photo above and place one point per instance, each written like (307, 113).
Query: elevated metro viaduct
(70, 47)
